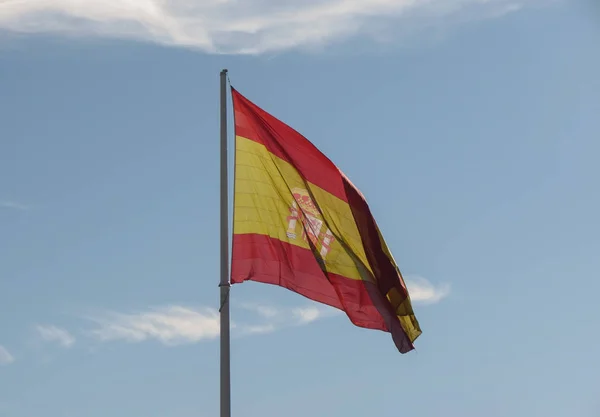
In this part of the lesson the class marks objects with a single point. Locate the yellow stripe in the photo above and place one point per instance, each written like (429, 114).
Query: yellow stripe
(263, 203)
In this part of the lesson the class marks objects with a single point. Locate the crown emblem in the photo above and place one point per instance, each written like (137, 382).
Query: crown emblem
(304, 211)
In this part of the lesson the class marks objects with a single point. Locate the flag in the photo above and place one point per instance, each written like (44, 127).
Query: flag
(300, 223)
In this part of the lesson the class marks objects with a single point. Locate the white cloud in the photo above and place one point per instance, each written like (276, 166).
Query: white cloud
(277, 317)
(56, 334)
(265, 311)
(309, 314)
(175, 325)
(257, 329)
(172, 325)
(423, 291)
(249, 26)
(14, 205)
(5, 356)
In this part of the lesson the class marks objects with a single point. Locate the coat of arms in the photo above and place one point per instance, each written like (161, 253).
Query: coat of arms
(304, 210)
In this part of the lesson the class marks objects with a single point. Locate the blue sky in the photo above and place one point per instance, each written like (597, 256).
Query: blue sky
(471, 127)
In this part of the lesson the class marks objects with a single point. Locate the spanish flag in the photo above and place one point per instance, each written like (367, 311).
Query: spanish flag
(300, 223)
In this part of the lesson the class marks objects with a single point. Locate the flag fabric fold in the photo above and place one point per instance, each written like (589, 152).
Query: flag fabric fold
(300, 223)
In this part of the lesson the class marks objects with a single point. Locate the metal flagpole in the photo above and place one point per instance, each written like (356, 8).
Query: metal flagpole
(224, 283)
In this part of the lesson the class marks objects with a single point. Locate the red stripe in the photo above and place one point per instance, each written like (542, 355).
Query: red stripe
(264, 259)
(252, 122)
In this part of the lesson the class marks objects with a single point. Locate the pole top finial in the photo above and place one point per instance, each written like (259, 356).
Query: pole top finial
(224, 71)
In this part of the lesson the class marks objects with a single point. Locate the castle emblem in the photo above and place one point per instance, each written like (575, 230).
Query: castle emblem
(304, 211)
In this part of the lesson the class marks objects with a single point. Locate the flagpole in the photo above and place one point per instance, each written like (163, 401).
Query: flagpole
(224, 285)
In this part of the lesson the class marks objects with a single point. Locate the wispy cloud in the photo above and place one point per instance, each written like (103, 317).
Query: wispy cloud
(251, 26)
(176, 325)
(56, 334)
(308, 314)
(424, 292)
(256, 329)
(171, 325)
(292, 316)
(262, 310)
(10, 204)
(5, 356)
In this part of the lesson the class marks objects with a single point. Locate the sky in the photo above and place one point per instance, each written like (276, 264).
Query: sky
(470, 126)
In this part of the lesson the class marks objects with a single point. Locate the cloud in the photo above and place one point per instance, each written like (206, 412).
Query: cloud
(423, 291)
(278, 317)
(56, 334)
(5, 357)
(171, 325)
(175, 325)
(256, 329)
(249, 26)
(308, 314)
(265, 311)
(13, 205)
